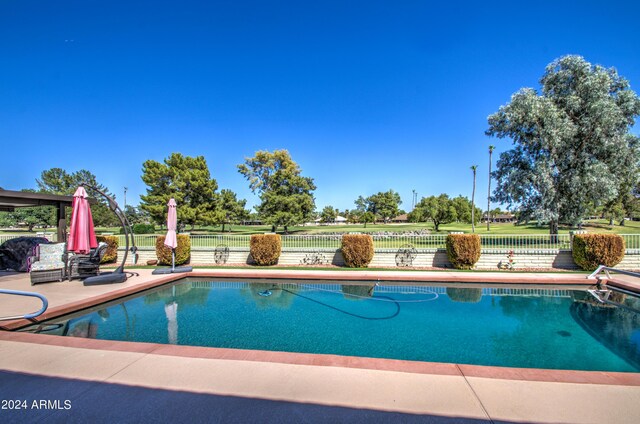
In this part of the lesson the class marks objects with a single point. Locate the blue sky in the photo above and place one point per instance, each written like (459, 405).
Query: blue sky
(366, 96)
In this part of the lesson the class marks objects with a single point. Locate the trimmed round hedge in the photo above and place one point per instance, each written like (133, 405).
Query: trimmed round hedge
(357, 250)
(463, 250)
(592, 250)
(265, 248)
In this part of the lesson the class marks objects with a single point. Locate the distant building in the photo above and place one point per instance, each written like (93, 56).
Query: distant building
(401, 218)
(251, 222)
(339, 220)
(501, 217)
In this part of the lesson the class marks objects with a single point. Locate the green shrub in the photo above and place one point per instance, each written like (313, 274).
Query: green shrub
(111, 255)
(357, 250)
(144, 229)
(265, 248)
(592, 250)
(141, 229)
(463, 250)
(183, 250)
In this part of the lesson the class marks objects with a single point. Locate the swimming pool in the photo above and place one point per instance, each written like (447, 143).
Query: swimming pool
(502, 326)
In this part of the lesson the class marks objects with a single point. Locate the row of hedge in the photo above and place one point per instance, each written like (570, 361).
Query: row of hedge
(183, 250)
(589, 250)
(463, 250)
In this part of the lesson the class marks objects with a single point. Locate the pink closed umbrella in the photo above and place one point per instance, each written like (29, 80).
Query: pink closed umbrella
(172, 223)
(171, 240)
(82, 236)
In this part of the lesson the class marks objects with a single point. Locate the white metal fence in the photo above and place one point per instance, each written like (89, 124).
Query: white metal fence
(517, 242)
(526, 241)
(631, 241)
(49, 236)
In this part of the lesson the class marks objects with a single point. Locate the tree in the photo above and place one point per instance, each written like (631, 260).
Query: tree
(188, 181)
(491, 149)
(384, 205)
(572, 143)
(361, 204)
(474, 168)
(31, 216)
(136, 215)
(465, 212)
(439, 209)
(328, 214)
(353, 216)
(232, 208)
(367, 217)
(58, 181)
(286, 196)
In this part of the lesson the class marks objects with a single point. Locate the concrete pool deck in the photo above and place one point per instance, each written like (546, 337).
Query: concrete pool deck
(140, 382)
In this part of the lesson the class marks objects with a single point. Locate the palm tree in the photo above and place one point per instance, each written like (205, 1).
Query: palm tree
(491, 148)
(474, 168)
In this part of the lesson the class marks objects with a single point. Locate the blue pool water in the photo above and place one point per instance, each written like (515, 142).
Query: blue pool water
(533, 328)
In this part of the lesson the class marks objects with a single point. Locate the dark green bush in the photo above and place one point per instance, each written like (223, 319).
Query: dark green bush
(463, 250)
(144, 229)
(111, 255)
(357, 250)
(593, 250)
(265, 248)
(141, 229)
(183, 250)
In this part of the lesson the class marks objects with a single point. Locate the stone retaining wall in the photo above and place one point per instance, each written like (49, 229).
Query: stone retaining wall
(389, 258)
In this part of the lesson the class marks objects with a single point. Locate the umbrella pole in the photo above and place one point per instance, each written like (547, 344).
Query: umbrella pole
(173, 259)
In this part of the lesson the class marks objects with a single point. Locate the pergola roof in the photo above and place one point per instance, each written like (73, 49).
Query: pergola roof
(9, 200)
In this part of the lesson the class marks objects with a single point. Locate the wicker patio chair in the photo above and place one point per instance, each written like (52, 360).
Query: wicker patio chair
(49, 263)
(83, 266)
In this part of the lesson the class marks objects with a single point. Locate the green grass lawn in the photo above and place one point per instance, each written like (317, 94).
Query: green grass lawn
(595, 226)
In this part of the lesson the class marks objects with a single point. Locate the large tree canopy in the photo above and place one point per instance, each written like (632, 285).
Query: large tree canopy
(59, 181)
(572, 146)
(232, 208)
(328, 214)
(188, 181)
(383, 205)
(286, 195)
(443, 210)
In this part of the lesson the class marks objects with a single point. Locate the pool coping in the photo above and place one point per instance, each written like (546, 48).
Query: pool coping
(465, 370)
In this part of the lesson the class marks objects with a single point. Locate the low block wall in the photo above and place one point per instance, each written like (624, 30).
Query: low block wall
(389, 258)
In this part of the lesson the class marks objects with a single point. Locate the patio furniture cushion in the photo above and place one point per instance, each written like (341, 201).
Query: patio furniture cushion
(49, 256)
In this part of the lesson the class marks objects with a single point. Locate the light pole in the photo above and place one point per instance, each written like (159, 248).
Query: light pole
(413, 199)
(491, 149)
(125, 198)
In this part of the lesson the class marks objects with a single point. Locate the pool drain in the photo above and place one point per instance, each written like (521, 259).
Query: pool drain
(265, 293)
